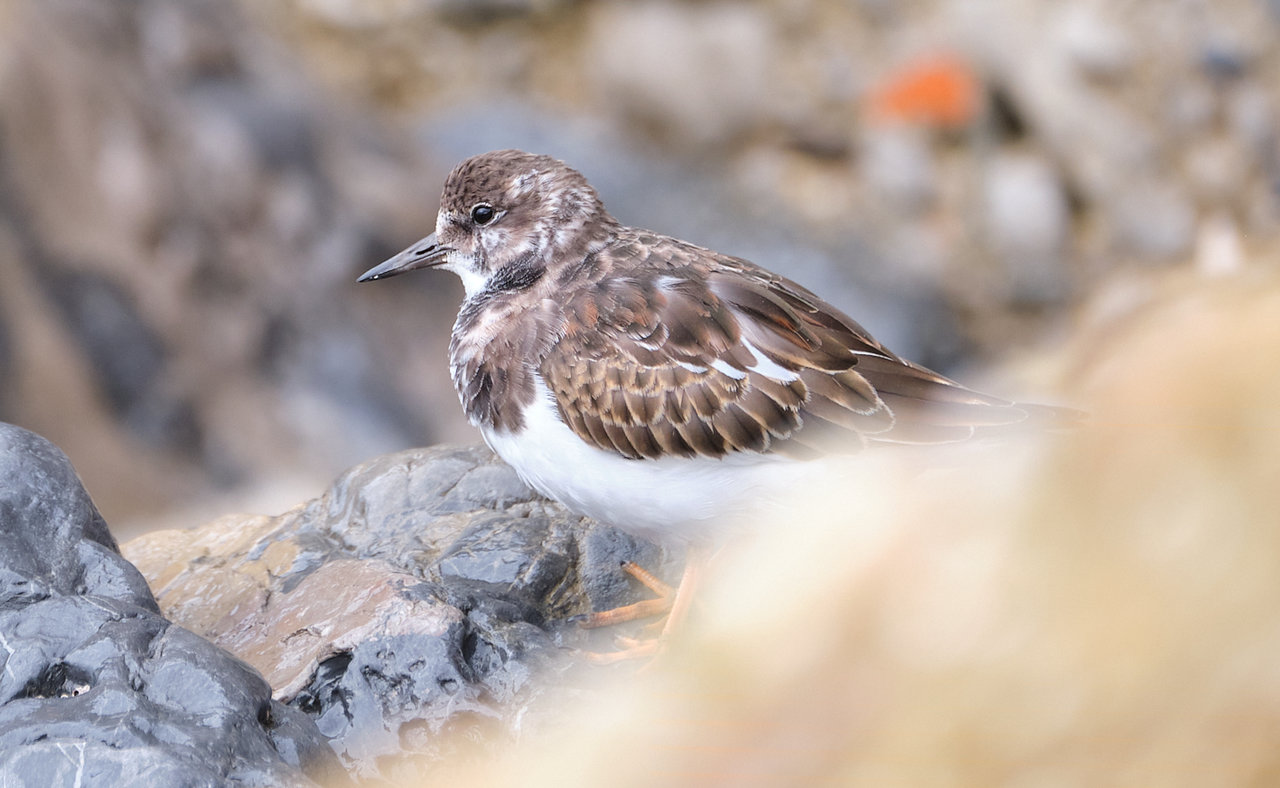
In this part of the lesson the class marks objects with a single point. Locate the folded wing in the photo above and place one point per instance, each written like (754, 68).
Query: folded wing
(684, 360)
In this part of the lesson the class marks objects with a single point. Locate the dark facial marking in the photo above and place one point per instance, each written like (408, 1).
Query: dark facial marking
(518, 275)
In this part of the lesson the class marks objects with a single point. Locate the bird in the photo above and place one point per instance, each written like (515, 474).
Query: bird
(650, 383)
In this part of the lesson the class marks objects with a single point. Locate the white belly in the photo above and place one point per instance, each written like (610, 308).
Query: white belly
(674, 498)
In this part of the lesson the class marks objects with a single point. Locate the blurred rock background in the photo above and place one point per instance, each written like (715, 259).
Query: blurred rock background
(187, 191)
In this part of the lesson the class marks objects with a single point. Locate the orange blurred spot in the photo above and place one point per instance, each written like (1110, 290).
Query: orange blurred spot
(939, 91)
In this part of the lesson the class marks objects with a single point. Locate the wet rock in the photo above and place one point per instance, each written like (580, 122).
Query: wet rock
(98, 689)
(425, 593)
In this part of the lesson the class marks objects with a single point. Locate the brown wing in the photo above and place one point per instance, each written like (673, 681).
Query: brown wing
(688, 359)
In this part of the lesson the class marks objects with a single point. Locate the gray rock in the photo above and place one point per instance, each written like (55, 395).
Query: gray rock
(97, 688)
(461, 518)
(421, 595)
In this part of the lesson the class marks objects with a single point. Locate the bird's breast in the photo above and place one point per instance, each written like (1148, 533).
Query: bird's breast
(496, 347)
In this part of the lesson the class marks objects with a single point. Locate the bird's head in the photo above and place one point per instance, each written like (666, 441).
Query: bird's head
(507, 210)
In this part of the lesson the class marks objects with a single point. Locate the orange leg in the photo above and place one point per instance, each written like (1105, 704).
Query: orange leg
(674, 603)
(695, 560)
(643, 609)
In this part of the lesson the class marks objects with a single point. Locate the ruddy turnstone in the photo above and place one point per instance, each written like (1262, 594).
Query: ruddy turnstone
(648, 382)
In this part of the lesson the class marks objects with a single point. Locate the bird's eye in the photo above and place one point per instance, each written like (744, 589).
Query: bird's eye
(483, 213)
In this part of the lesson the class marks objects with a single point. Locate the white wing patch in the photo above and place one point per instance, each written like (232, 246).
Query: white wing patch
(727, 369)
(765, 366)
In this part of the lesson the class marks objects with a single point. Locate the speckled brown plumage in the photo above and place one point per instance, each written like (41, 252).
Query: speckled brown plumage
(655, 347)
(632, 368)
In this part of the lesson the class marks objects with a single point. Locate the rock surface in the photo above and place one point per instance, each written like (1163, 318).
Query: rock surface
(98, 689)
(411, 605)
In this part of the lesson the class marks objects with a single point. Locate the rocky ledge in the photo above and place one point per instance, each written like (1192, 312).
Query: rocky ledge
(98, 688)
(403, 614)
(409, 607)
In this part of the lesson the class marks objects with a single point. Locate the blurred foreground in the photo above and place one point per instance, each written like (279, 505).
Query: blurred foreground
(1091, 609)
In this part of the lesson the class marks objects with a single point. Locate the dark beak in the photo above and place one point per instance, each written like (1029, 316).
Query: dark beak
(424, 254)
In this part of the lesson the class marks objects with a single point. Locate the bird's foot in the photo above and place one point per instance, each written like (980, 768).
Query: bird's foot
(672, 604)
(646, 608)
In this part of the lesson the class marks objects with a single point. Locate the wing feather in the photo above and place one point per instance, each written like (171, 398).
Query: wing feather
(693, 353)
